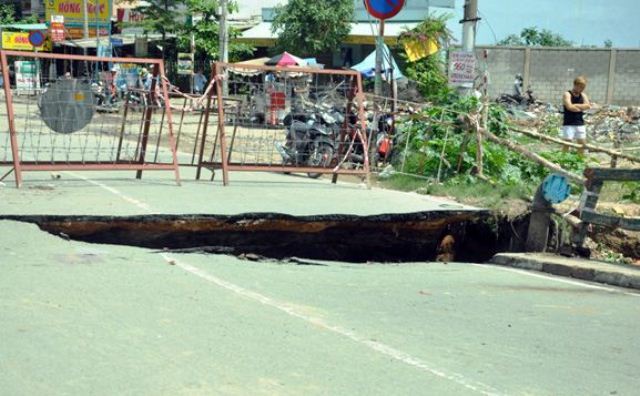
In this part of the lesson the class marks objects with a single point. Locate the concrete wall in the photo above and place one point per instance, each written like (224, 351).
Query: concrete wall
(613, 74)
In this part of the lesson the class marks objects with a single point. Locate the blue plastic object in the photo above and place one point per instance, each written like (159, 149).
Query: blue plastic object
(556, 188)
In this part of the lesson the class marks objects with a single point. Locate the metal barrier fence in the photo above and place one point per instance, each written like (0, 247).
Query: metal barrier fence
(113, 117)
(286, 119)
(595, 178)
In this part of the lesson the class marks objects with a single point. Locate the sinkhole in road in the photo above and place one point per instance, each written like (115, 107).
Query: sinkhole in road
(466, 236)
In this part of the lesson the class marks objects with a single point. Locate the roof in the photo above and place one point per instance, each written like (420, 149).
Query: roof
(25, 26)
(104, 40)
(361, 33)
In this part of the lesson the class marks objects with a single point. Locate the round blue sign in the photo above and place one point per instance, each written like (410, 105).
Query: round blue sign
(556, 188)
(36, 38)
(384, 9)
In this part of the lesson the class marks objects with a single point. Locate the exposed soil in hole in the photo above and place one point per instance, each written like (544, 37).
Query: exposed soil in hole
(468, 236)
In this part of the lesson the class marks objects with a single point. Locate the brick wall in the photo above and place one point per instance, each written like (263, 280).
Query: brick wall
(626, 87)
(551, 72)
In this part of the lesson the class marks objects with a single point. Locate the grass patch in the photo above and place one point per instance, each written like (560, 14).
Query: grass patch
(504, 198)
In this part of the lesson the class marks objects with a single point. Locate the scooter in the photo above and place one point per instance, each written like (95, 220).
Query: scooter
(310, 140)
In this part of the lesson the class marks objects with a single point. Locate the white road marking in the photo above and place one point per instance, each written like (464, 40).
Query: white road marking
(556, 279)
(288, 309)
(374, 345)
(114, 191)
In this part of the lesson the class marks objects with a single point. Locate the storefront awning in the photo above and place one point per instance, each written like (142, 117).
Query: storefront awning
(361, 33)
(104, 40)
(25, 26)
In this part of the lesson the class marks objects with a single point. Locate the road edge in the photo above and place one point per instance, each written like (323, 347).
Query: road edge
(572, 268)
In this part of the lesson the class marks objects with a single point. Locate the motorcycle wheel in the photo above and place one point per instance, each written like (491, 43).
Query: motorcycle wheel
(321, 156)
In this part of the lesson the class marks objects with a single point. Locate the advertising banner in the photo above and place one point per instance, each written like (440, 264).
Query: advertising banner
(71, 11)
(17, 41)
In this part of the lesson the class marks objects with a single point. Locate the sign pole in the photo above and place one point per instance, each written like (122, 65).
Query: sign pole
(381, 10)
(379, 48)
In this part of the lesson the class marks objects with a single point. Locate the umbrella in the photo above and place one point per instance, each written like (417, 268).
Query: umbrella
(286, 59)
(368, 66)
(250, 62)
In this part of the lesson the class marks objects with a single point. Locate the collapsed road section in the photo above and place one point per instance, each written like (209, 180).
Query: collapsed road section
(470, 236)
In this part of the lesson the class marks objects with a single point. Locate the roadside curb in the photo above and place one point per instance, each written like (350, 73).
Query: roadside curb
(592, 271)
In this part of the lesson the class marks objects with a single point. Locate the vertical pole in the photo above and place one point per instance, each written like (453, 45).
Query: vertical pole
(146, 121)
(193, 54)
(167, 108)
(122, 127)
(10, 115)
(469, 25)
(469, 30)
(526, 75)
(97, 15)
(363, 122)
(379, 47)
(85, 17)
(224, 42)
(221, 135)
(484, 125)
(612, 75)
(203, 140)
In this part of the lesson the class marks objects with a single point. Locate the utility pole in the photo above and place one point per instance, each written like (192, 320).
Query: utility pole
(469, 25)
(223, 40)
(85, 17)
(97, 14)
(469, 29)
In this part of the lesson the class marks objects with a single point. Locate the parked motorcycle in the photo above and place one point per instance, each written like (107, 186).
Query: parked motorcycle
(103, 101)
(310, 139)
(380, 132)
(518, 98)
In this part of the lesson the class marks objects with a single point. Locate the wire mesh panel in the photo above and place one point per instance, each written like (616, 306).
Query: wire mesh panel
(287, 119)
(70, 112)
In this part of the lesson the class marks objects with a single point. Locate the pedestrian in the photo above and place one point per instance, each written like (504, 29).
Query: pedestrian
(199, 82)
(575, 103)
(144, 80)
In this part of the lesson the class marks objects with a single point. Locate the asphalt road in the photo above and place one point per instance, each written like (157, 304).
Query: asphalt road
(98, 319)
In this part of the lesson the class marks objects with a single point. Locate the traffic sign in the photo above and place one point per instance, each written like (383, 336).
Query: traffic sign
(36, 38)
(384, 9)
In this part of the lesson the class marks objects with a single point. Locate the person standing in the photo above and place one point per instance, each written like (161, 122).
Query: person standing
(575, 103)
(199, 82)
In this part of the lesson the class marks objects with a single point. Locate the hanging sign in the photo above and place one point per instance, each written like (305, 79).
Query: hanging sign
(57, 28)
(384, 9)
(462, 68)
(185, 63)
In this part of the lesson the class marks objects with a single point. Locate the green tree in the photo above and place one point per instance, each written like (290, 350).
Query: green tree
(430, 72)
(186, 17)
(206, 28)
(7, 14)
(608, 43)
(163, 16)
(312, 27)
(534, 37)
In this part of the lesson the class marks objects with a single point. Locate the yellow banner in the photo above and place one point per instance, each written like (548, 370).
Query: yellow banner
(17, 41)
(72, 11)
(417, 50)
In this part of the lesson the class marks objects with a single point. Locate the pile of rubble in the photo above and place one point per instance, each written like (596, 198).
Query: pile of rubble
(615, 123)
(606, 124)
